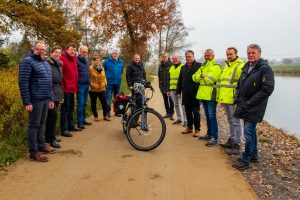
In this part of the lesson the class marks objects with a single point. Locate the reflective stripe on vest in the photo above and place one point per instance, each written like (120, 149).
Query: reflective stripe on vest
(232, 79)
(174, 75)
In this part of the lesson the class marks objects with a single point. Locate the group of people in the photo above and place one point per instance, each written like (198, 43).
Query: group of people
(241, 88)
(47, 82)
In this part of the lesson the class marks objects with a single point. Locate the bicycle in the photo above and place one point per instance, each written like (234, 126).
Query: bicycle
(144, 127)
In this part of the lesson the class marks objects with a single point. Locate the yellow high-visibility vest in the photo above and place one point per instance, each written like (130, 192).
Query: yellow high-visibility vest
(174, 75)
(229, 80)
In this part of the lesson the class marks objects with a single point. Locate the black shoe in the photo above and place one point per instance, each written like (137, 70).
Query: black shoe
(233, 151)
(172, 118)
(75, 129)
(166, 116)
(254, 159)
(66, 134)
(55, 144)
(58, 140)
(228, 144)
(118, 115)
(108, 115)
(177, 122)
(81, 127)
(241, 164)
(212, 142)
(205, 137)
(87, 123)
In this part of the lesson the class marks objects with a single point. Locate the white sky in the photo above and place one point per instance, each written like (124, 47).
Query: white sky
(218, 24)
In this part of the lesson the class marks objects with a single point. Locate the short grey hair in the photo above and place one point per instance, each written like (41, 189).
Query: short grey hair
(254, 46)
(210, 50)
(83, 47)
(115, 51)
(176, 54)
(39, 42)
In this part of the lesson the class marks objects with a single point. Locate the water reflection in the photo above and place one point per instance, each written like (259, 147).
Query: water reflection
(283, 107)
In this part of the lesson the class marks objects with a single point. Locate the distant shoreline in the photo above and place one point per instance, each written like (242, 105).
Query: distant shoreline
(286, 70)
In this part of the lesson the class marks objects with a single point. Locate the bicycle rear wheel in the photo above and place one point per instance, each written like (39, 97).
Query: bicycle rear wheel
(149, 137)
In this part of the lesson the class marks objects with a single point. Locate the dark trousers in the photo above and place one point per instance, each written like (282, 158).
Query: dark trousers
(193, 116)
(211, 118)
(169, 105)
(102, 98)
(66, 113)
(51, 123)
(37, 116)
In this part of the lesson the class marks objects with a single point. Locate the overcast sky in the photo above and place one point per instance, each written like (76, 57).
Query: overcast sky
(218, 24)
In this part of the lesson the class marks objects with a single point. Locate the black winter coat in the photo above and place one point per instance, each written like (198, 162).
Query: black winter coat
(134, 73)
(56, 79)
(164, 76)
(187, 86)
(253, 91)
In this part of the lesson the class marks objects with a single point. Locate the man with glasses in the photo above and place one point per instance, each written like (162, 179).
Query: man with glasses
(35, 82)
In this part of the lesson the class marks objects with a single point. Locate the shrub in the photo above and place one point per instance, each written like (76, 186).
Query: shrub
(12, 118)
(4, 60)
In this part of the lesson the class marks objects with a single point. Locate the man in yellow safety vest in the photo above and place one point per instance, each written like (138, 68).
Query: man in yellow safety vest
(227, 90)
(174, 75)
(207, 76)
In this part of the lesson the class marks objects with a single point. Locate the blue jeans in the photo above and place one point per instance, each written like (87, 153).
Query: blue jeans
(82, 98)
(211, 118)
(110, 89)
(37, 116)
(251, 141)
(66, 113)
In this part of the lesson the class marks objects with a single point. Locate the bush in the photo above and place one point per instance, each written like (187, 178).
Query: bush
(4, 60)
(12, 118)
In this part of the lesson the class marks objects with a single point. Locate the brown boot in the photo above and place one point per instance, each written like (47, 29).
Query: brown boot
(187, 131)
(196, 133)
(38, 158)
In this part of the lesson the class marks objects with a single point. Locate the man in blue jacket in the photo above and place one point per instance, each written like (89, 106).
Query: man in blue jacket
(35, 83)
(84, 79)
(113, 67)
(255, 85)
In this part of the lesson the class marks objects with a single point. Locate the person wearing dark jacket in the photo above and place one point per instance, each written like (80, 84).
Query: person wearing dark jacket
(255, 86)
(164, 84)
(35, 83)
(134, 73)
(83, 66)
(188, 89)
(58, 96)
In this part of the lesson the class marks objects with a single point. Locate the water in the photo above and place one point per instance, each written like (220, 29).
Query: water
(284, 105)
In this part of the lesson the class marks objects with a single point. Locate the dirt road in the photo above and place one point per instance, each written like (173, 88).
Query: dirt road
(99, 163)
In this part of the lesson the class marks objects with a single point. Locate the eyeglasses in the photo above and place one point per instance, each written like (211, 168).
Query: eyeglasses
(43, 50)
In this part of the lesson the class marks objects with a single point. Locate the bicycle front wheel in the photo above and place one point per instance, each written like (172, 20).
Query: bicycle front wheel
(151, 135)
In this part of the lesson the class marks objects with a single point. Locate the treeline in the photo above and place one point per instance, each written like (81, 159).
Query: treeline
(147, 27)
